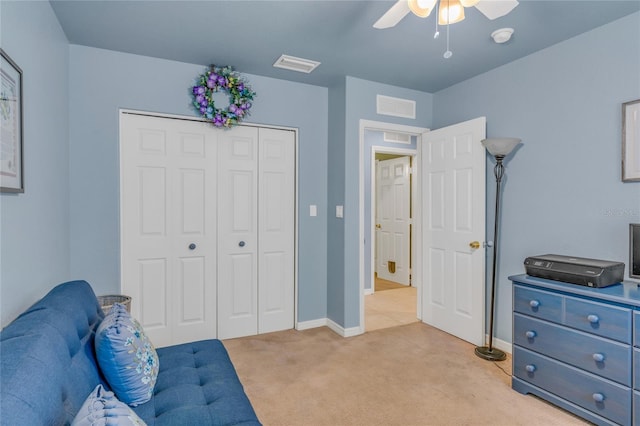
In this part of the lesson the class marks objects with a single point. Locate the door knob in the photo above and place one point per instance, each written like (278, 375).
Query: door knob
(378, 226)
(474, 244)
(192, 246)
(241, 243)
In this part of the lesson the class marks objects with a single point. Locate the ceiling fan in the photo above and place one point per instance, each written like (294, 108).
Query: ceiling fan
(450, 11)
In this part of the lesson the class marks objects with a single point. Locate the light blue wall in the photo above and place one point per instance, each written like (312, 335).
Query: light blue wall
(562, 193)
(335, 226)
(104, 81)
(35, 225)
(361, 105)
(373, 138)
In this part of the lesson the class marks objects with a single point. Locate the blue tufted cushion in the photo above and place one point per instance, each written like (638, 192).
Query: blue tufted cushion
(126, 357)
(47, 362)
(102, 408)
(197, 384)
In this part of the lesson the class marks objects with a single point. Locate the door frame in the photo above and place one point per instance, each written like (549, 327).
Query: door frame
(405, 152)
(122, 111)
(417, 215)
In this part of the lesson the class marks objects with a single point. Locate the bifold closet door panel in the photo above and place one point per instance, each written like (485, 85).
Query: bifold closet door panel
(168, 226)
(238, 232)
(276, 204)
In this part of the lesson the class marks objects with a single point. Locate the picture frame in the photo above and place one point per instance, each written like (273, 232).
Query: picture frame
(631, 141)
(11, 126)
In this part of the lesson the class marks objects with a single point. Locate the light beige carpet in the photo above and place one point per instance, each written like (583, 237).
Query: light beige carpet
(407, 375)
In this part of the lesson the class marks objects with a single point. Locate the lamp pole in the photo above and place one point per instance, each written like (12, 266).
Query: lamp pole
(489, 352)
(499, 148)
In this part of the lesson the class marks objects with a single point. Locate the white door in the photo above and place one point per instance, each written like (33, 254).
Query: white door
(168, 226)
(276, 237)
(453, 206)
(393, 219)
(238, 245)
(256, 210)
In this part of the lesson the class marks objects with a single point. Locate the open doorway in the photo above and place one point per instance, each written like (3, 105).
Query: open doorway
(390, 293)
(392, 300)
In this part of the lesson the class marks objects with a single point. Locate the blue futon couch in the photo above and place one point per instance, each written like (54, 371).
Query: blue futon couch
(48, 367)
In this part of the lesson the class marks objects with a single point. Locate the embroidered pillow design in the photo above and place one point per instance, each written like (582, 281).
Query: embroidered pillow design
(126, 357)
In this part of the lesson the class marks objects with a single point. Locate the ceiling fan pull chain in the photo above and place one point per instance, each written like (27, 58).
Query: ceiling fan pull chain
(448, 53)
(437, 33)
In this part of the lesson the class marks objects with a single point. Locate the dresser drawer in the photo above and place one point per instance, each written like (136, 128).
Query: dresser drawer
(609, 321)
(591, 392)
(603, 357)
(537, 303)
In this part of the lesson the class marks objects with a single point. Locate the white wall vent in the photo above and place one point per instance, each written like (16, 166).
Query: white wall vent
(296, 64)
(397, 137)
(396, 107)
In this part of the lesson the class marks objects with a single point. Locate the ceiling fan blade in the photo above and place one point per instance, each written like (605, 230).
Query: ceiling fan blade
(393, 15)
(494, 9)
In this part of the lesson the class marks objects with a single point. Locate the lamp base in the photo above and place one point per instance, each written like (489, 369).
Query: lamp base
(492, 354)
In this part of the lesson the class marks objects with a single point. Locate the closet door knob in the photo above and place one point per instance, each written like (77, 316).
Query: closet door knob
(241, 243)
(192, 246)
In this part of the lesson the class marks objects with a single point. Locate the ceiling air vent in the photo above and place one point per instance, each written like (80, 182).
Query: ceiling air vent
(396, 107)
(296, 64)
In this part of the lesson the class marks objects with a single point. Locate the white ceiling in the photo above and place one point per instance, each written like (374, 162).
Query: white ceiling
(251, 35)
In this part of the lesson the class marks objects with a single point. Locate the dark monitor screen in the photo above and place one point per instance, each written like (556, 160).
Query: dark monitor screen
(634, 250)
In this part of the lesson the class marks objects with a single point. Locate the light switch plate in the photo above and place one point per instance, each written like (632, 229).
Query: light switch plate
(339, 211)
(313, 210)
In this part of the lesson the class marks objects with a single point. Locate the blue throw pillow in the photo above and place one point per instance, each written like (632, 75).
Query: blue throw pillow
(102, 408)
(126, 357)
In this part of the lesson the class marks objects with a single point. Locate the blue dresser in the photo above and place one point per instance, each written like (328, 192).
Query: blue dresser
(578, 347)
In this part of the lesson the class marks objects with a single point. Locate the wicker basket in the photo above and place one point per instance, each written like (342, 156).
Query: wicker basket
(107, 301)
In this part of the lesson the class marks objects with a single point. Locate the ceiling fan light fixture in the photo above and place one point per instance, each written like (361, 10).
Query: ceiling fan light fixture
(421, 8)
(451, 11)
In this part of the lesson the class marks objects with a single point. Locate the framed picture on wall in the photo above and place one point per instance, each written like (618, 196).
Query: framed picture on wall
(11, 162)
(631, 141)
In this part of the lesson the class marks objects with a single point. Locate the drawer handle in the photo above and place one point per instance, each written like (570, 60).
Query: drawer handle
(598, 397)
(530, 334)
(534, 303)
(530, 368)
(593, 319)
(597, 357)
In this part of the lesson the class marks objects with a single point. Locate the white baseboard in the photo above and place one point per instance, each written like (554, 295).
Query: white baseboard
(344, 332)
(334, 326)
(500, 344)
(368, 291)
(306, 325)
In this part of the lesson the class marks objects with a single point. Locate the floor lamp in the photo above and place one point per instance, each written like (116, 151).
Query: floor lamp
(499, 148)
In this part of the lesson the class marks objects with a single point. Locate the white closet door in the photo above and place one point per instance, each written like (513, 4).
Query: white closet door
(256, 213)
(168, 226)
(276, 230)
(238, 232)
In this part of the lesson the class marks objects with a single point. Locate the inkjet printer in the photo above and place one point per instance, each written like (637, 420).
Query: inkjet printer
(575, 270)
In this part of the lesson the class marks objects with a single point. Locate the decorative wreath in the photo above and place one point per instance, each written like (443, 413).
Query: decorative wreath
(225, 79)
